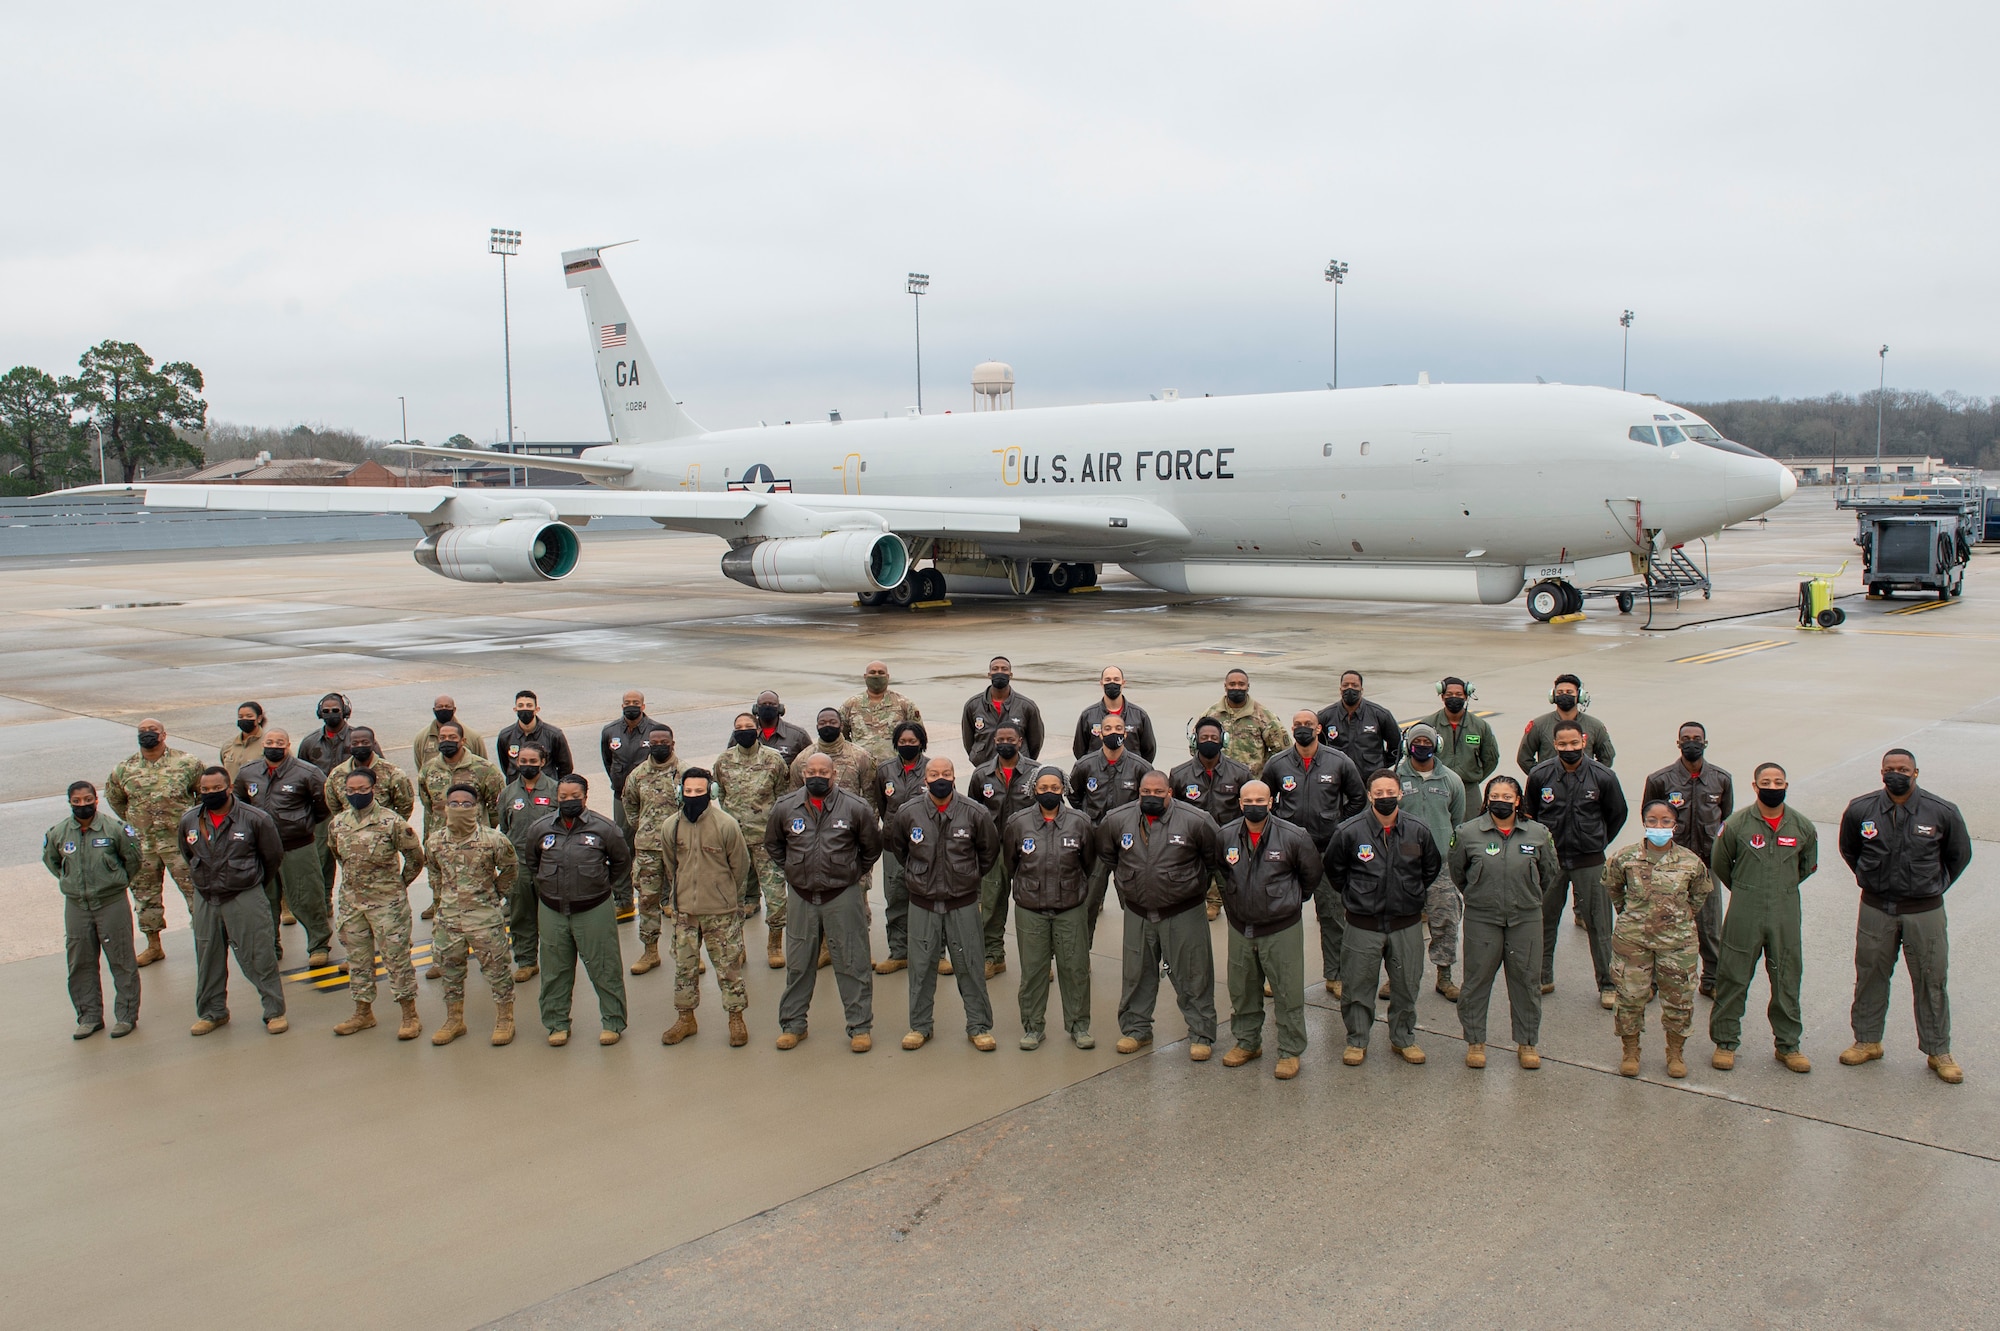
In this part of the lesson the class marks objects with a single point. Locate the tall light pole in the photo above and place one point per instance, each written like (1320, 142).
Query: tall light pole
(1881, 389)
(918, 284)
(504, 243)
(100, 449)
(408, 456)
(1625, 360)
(1336, 273)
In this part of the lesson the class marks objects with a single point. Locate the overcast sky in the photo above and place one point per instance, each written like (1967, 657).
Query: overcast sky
(1114, 198)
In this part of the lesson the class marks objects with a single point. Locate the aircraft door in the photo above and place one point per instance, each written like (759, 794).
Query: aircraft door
(850, 474)
(692, 480)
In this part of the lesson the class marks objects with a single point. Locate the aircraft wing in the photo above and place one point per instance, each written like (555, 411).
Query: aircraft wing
(495, 458)
(1110, 522)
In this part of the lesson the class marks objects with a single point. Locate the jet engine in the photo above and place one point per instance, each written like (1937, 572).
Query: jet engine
(841, 561)
(524, 549)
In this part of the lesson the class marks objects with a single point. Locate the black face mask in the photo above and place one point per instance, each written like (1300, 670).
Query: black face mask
(83, 813)
(1692, 751)
(214, 800)
(1454, 705)
(273, 756)
(1113, 689)
(150, 739)
(1048, 799)
(1500, 809)
(362, 757)
(1898, 783)
(768, 713)
(1236, 697)
(940, 789)
(1386, 804)
(449, 747)
(743, 738)
(1304, 735)
(1152, 805)
(1112, 739)
(1769, 797)
(694, 806)
(246, 724)
(818, 786)
(1000, 681)
(1256, 813)
(631, 713)
(828, 734)
(1007, 750)
(1422, 753)
(909, 753)
(529, 771)
(443, 714)
(660, 752)
(571, 809)
(361, 800)
(1570, 757)
(524, 716)
(1565, 702)
(1210, 749)
(1350, 696)
(331, 719)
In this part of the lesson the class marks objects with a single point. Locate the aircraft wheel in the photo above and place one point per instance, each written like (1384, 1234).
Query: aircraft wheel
(900, 595)
(1057, 577)
(1572, 599)
(927, 584)
(1546, 601)
(872, 600)
(1086, 574)
(1625, 603)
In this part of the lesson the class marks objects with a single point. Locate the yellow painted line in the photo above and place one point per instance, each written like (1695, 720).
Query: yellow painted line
(1920, 633)
(1921, 607)
(1730, 653)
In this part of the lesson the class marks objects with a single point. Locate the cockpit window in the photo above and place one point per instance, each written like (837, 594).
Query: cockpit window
(1671, 435)
(1702, 434)
(1658, 417)
(1641, 434)
(1679, 417)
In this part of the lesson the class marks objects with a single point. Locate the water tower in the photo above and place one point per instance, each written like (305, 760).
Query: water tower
(992, 386)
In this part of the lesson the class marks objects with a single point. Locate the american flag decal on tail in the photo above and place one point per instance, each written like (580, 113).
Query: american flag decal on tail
(611, 335)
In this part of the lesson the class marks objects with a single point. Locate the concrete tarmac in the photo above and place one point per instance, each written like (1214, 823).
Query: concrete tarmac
(169, 1181)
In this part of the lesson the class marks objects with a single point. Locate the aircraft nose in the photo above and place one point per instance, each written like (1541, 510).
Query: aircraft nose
(1755, 485)
(1788, 484)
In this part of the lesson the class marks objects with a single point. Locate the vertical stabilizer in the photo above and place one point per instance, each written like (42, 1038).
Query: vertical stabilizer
(637, 405)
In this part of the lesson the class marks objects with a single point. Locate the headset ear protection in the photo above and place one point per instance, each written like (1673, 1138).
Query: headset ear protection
(1471, 690)
(1582, 697)
(752, 708)
(346, 707)
(1190, 735)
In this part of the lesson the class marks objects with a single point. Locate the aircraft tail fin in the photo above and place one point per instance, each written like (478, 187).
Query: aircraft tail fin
(637, 406)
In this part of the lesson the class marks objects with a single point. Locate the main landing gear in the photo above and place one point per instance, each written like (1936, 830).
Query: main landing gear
(1547, 600)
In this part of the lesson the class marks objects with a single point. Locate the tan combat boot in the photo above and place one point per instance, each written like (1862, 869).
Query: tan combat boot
(1676, 1062)
(682, 1028)
(503, 1021)
(413, 1025)
(1947, 1069)
(1794, 1060)
(454, 1024)
(435, 972)
(1629, 1065)
(1475, 1055)
(1858, 1053)
(648, 960)
(154, 952)
(739, 1034)
(1445, 985)
(774, 947)
(525, 973)
(1722, 1060)
(825, 954)
(1286, 1069)
(1528, 1057)
(363, 1019)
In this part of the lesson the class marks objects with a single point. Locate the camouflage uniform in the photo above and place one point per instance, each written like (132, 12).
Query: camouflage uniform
(437, 779)
(1255, 733)
(468, 878)
(652, 794)
(747, 783)
(391, 784)
(1653, 941)
(374, 910)
(871, 721)
(853, 770)
(152, 796)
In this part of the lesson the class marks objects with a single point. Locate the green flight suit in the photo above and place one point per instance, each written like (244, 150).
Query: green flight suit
(1762, 867)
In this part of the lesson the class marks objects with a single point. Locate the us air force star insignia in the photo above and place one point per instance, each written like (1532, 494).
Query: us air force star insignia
(1365, 853)
(549, 841)
(798, 825)
(1027, 845)
(916, 836)
(1231, 855)
(1125, 842)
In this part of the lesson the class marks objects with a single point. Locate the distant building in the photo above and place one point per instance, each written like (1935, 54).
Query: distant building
(1864, 470)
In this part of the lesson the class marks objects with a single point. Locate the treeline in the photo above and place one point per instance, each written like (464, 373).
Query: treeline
(1964, 431)
(118, 401)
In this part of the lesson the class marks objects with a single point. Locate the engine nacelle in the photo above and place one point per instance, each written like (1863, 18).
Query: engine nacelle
(842, 561)
(517, 550)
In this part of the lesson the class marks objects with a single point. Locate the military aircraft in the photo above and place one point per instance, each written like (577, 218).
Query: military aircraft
(1462, 493)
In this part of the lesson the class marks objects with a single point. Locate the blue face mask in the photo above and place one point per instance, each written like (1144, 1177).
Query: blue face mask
(1659, 836)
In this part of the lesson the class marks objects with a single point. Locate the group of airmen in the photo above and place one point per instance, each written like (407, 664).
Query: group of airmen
(1410, 846)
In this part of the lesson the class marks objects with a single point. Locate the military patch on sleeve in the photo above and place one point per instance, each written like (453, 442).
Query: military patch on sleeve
(1027, 845)
(798, 826)
(1868, 829)
(1232, 855)
(1125, 841)
(549, 841)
